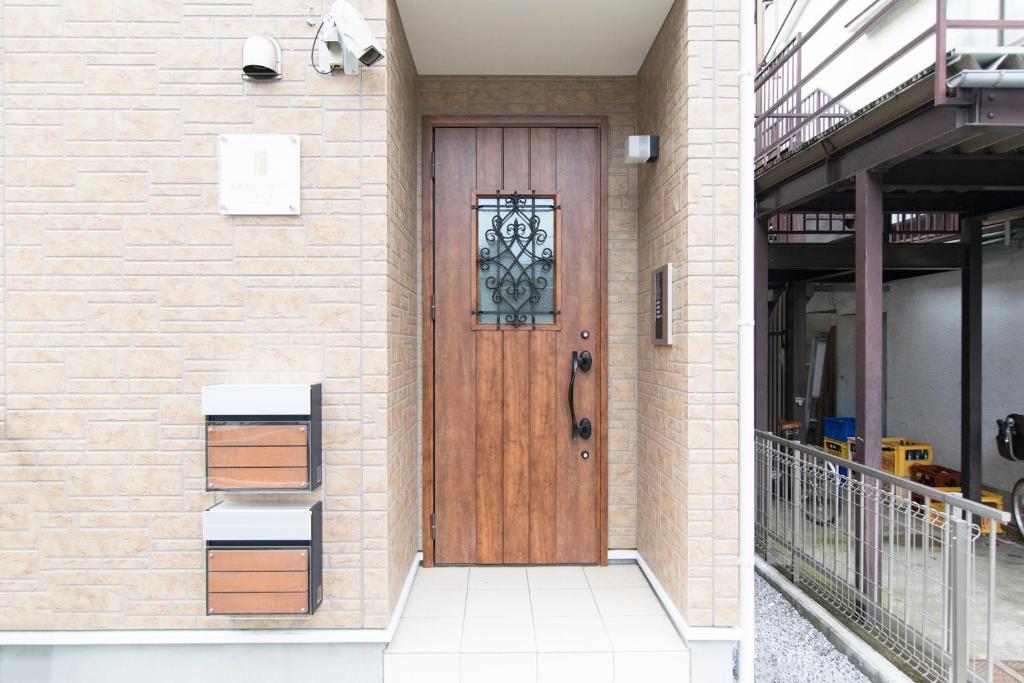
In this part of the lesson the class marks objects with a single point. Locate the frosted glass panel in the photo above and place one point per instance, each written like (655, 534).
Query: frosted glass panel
(516, 260)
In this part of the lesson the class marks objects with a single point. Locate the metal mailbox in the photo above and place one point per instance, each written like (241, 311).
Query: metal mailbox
(263, 437)
(263, 558)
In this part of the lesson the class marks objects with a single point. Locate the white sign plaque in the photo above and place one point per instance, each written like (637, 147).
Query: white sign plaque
(259, 174)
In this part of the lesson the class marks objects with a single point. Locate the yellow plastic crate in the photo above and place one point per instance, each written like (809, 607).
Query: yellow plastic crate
(835, 447)
(987, 498)
(899, 455)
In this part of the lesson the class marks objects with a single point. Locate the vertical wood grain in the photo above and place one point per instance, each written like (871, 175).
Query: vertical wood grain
(517, 160)
(454, 373)
(489, 379)
(543, 412)
(577, 515)
(544, 399)
(517, 376)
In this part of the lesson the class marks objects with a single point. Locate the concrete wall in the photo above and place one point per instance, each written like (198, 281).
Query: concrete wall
(125, 291)
(264, 663)
(616, 98)
(688, 402)
(924, 360)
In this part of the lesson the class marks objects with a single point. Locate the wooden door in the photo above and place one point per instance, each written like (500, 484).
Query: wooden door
(516, 277)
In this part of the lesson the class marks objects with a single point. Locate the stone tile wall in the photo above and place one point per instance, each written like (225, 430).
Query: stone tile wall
(125, 291)
(688, 401)
(404, 310)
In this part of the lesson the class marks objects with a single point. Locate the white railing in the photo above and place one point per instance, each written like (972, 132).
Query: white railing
(896, 560)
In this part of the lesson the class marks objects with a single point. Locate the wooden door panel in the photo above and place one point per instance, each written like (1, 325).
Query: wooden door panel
(518, 366)
(489, 438)
(455, 378)
(489, 371)
(546, 414)
(577, 169)
(516, 162)
(508, 483)
(543, 413)
(518, 363)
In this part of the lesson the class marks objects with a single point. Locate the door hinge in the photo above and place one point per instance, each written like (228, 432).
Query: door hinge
(432, 167)
(433, 527)
(433, 309)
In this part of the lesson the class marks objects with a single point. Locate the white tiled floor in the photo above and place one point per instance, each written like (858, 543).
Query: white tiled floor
(535, 625)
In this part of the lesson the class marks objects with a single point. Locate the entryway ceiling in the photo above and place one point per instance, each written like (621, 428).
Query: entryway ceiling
(531, 37)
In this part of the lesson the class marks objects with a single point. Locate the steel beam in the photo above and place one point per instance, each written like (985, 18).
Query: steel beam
(761, 378)
(943, 171)
(958, 200)
(842, 256)
(970, 360)
(916, 135)
(870, 229)
(796, 353)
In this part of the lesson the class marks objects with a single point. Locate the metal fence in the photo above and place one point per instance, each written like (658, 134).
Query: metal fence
(910, 568)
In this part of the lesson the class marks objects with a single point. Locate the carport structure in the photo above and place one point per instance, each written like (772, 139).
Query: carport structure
(913, 183)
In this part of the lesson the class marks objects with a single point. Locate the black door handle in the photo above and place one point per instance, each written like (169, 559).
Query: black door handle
(580, 361)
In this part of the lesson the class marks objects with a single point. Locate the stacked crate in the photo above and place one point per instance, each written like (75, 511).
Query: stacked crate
(899, 455)
(836, 434)
(990, 498)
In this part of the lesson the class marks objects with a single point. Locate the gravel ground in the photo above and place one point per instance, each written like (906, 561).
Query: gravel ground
(790, 649)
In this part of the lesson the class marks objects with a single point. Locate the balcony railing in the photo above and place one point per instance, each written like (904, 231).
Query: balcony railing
(900, 227)
(792, 110)
(911, 568)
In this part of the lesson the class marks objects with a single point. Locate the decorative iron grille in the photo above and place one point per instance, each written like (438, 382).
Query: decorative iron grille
(516, 259)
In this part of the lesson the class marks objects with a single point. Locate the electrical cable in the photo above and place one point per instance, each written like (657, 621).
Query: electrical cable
(312, 51)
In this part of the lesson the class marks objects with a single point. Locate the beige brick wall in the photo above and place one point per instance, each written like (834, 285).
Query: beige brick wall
(125, 292)
(617, 99)
(404, 310)
(688, 402)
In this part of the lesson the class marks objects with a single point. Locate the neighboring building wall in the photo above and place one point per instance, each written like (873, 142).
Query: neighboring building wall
(616, 98)
(924, 360)
(404, 309)
(126, 292)
(688, 215)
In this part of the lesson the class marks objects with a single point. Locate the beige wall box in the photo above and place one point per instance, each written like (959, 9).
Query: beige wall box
(263, 558)
(661, 305)
(259, 174)
(263, 437)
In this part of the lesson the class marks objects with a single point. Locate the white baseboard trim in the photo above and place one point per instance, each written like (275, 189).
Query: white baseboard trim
(403, 597)
(689, 634)
(221, 636)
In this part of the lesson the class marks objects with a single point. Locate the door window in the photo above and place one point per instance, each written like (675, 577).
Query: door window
(515, 259)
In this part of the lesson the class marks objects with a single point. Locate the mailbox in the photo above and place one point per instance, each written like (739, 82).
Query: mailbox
(263, 437)
(263, 558)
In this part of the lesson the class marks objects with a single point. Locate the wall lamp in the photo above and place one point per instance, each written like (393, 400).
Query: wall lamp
(641, 149)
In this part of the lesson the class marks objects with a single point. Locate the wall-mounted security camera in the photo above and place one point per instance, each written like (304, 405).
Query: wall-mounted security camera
(261, 58)
(346, 41)
(641, 149)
